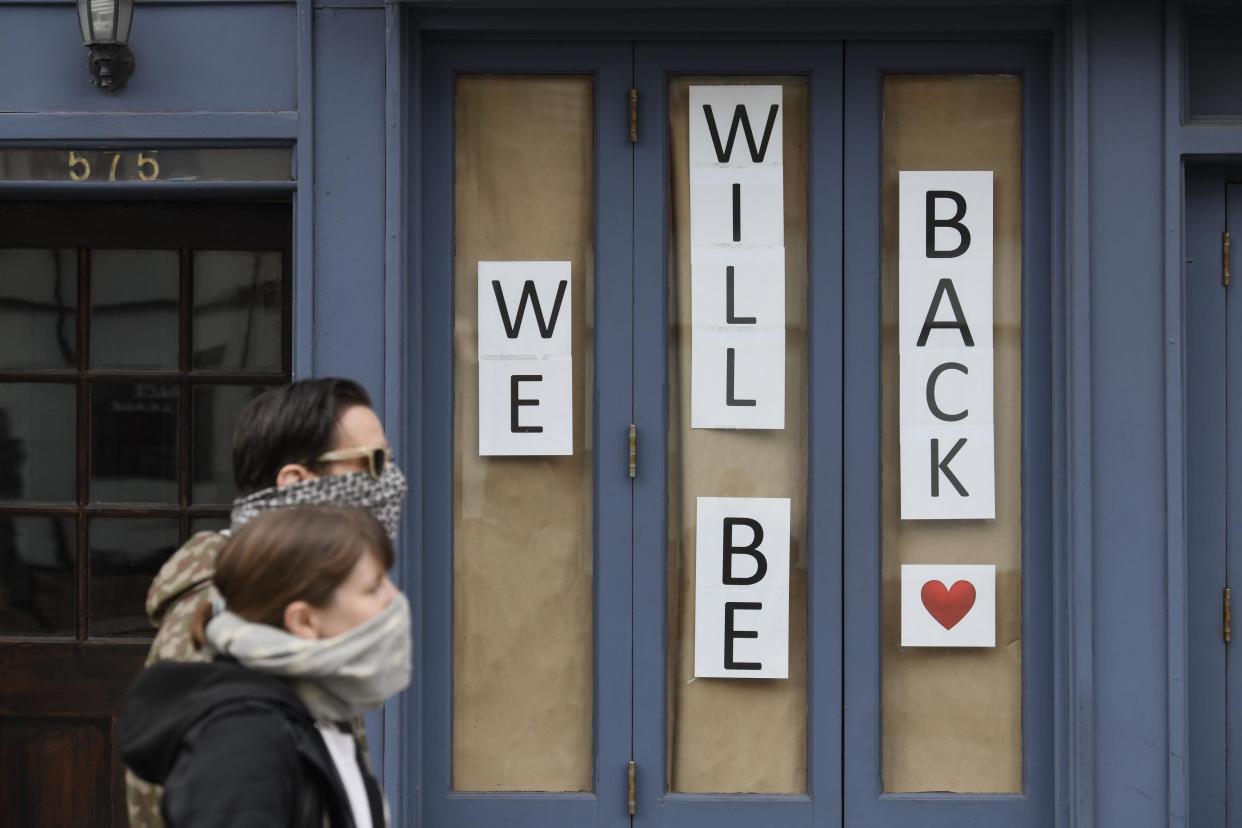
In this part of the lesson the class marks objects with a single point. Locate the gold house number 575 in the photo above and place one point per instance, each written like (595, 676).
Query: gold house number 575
(80, 166)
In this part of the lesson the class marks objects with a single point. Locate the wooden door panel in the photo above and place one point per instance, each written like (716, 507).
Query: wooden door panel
(66, 680)
(55, 772)
(77, 557)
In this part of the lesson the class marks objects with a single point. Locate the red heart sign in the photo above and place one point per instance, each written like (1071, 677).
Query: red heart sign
(948, 606)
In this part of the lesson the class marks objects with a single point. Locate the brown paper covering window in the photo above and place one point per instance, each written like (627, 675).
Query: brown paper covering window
(522, 526)
(736, 735)
(953, 717)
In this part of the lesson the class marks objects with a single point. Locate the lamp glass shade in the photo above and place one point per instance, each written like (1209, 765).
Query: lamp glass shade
(105, 21)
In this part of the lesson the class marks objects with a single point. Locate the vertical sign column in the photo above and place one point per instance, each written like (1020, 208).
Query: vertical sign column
(737, 257)
(525, 359)
(945, 340)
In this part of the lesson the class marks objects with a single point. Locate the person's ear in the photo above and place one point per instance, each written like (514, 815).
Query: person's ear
(291, 473)
(300, 620)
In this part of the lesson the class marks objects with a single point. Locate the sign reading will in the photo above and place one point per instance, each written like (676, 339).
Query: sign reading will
(945, 340)
(525, 359)
(737, 257)
(741, 595)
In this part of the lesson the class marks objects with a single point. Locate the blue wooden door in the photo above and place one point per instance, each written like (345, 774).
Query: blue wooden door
(1233, 521)
(935, 759)
(1209, 353)
(1213, 504)
(519, 136)
(800, 751)
(737, 751)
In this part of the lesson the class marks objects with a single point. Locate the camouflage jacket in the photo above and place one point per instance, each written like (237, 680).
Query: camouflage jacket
(181, 587)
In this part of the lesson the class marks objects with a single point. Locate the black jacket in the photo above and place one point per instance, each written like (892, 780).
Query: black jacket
(233, 748)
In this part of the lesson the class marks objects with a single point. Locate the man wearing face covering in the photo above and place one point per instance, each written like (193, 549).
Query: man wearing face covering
(312, 442)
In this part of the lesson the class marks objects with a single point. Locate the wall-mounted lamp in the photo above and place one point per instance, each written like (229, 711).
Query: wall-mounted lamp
(105, 31)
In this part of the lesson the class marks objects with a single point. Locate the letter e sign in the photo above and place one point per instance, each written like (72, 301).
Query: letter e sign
(741, 596)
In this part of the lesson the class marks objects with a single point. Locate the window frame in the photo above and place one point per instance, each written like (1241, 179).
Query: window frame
(186, 228)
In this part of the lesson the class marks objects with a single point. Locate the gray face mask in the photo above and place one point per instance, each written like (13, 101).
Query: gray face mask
(383, 498)
(337, 678)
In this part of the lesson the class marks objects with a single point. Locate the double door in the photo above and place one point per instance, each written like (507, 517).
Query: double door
(563, 614)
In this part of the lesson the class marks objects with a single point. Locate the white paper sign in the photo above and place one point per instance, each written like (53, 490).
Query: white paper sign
(741, 597)
(525, 358)
(737, 257)
(948, 606)
(948, 459)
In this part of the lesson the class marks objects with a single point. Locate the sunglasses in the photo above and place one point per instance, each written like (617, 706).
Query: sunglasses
(377, 458)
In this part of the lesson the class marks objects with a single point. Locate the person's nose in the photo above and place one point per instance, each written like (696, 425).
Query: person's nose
(388, 592)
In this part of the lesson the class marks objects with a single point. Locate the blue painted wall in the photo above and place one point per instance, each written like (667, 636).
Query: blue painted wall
(1127, 440)
(188, 57)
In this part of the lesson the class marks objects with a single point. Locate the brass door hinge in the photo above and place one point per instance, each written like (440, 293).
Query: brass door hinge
(1224, 258)
(1228, 620)
(633, 451)
(631, 775)
(633, 116)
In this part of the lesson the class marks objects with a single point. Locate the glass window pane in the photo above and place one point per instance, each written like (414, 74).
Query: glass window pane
(764, 748)
(237, 309)
(38, 442)
(38, 579)
(973, 742)
(125, 556)
(215, 412)
(134, 308)
(38, 309)
(523, 623)
(134, 443)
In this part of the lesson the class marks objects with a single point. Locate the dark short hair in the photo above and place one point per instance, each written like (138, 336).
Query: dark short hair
(291, 424)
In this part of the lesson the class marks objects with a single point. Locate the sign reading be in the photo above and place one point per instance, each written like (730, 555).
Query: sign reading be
(741, 596)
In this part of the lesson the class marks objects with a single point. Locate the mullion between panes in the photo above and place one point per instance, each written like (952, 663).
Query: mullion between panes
(82, 438)
(286, 310)
(183, 395)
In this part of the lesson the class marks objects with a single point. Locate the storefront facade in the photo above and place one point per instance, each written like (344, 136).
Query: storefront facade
(792, 253)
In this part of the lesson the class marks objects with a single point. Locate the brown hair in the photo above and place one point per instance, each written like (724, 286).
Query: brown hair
(302, 553)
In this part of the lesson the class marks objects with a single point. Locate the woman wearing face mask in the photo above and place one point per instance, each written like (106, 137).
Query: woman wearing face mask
(311, 633)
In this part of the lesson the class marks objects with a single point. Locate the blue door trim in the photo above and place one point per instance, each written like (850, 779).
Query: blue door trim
(611, 66)
(1207, 485)
(866, 804)
(654, 64)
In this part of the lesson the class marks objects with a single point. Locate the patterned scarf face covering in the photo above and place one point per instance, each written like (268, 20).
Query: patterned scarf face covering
(338, 678)
(383, 498)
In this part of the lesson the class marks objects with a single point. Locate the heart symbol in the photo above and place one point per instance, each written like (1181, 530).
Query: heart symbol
(948, 606)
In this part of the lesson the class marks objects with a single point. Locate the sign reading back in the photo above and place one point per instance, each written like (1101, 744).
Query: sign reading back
(945, 341)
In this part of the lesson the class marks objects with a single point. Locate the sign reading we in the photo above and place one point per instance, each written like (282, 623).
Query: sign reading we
(945, 345)
(525, 358)
(737, 257)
